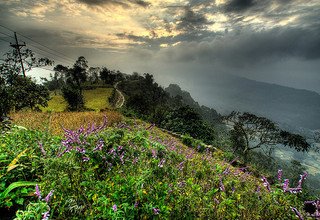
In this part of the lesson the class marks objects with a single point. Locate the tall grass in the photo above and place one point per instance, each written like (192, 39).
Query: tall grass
(54, 122)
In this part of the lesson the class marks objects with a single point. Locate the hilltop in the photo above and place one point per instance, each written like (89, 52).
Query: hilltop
(118, 146)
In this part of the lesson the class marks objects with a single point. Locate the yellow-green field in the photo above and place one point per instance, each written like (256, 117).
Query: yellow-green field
(55, 121)
(96, 99)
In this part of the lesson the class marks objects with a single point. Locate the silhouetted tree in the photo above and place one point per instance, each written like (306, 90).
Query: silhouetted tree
(251, 132)
(74, 97)
(17, 91)
(79, 72)
(75, 77)
(93, 74)
(55, 82)
(108, 76)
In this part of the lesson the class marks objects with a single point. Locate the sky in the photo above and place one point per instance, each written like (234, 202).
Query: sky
(178, 41)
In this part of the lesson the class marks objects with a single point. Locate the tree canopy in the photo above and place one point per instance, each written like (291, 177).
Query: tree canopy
(251, 132)
(17, 91)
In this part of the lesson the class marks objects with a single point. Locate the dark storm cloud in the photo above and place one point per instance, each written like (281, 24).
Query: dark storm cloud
(154, 43)
(239, 5)
(192, 21)
(273, 10)
(249, 48)
(4, 14)
(115, 2)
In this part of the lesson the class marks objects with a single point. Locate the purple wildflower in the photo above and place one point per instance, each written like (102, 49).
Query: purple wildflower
(161, 163)
(302, 178)
(121, 157)
(114, 207)
(81, 150)
(120, 148)
(112, 151)
(216, 200)
(266, 183)
(38, 193)
(109, 166)
(237, 172)
(243, 169)
(234, 160)
(226, 171)
(190, 155)
(285, 185)
(258, 189)
(136, 204)
(180, 166)
(156, 211)
(154, 153)
(48, 196)
(85, 159)
(45, 216)
(279, 175)
(99, 145)
(295, 190)
(181, 184)
(221, 186)
(297, 213)
(42, 149)
(78, 137)
(172, 147)
(135, 160)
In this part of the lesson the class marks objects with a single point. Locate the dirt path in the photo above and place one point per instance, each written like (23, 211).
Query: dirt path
(121, 98)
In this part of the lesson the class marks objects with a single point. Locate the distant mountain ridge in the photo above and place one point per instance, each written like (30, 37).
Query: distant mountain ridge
(208, 114)
(295, 107)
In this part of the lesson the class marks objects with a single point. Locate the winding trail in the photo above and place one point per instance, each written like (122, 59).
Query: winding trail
(121, 98)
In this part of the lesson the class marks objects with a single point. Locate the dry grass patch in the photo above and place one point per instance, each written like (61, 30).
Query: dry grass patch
(54, 122)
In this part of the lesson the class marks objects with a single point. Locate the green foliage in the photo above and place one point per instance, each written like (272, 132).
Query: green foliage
(128, 172)
(34, 95)
(74, 97)
(110, 77)
(181, 98)
(55, 82)
(6, 98)
(186, 120)
(75, 77)
(144, 95)
(17, 91)
(147, 100)
(21, 166)
(5, 124)
(33, 211)
(252, 132)
(14, 185)
(113, 98)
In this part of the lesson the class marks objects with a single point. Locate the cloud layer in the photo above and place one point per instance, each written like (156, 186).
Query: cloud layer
(253, 35)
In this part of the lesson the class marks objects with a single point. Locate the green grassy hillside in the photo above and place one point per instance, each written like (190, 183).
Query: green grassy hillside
(129, 171)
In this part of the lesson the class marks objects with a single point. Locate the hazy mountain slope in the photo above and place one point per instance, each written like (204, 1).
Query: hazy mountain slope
(208, 114)
(282, 104)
